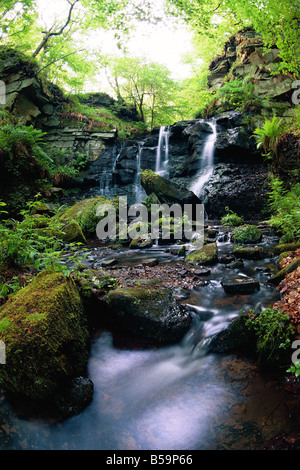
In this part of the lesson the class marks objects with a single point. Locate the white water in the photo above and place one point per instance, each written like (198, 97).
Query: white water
(162, 155)
(140, 193)
(207, 162)
(106, 178)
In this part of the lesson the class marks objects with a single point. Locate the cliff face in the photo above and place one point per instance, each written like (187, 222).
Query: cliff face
(244, 57)
(43, 104)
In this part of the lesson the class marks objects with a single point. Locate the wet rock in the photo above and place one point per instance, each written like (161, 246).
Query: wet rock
(109, 262)
(77, 396)
(202, 272)
(207, 255)
(253, 252)
(151, 262)
(149, 312)
(226, 259)
(240, 285)
(235, 264)
(280, 275)
(234, 336)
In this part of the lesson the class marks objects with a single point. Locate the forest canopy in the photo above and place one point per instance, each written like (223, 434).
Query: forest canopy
(64, 47)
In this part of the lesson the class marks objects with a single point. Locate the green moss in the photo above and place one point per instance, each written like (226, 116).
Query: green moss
(245, 252)
(45, 335)
(287, 247)
(84, 213)
(246, 234)
(206, 255)
(278, 277)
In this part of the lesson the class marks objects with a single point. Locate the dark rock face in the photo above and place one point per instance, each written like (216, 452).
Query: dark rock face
(242, 188)
(76, 397)
(149, 313)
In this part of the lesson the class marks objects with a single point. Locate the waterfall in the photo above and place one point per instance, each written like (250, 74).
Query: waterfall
(107, 176)
(162, 154)
(105, 183)
(140, 194)
(207, 162)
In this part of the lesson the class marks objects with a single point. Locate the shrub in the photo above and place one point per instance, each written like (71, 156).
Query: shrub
(231, 218)
(267, 136)
(246, 234)
(285, 209)
(274, 332)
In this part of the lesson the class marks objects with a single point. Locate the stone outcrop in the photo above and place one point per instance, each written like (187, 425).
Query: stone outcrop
(43, 104)
(244, 57)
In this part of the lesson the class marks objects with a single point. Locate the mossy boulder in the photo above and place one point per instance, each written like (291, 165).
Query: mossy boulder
(85, 214)
(167, 191)
(280, 275)
(149, 312)
(250, 252)
(207, 255)
(72, 232)
(234, 336)
(246, 234)
(44, 330)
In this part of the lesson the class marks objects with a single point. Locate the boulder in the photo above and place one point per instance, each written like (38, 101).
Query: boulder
(280, 275)
(250, 252)
(167, 191)
(149, 312)
(240, 285)
(234, 336)
(45, 333)
(207, 255)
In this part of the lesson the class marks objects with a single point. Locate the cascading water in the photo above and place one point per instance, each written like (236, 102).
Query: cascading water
(140, 193)
(107, 177)
(207, 162)
(162, 154)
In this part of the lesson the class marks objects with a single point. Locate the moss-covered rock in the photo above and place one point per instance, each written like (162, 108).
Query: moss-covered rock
(280, 275)
(286, 247)
(85, 214)
(72, 232)
(149, 312)
(44, 330)
(250, 252)
(237, 334)
(207, 255)
(167, 191)
(246, 234)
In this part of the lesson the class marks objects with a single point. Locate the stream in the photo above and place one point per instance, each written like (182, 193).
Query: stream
(176, 397)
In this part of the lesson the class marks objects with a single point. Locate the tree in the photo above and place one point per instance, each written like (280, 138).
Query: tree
(65, 43)
(145, 85)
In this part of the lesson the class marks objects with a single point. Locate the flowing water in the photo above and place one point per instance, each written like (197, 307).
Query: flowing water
(162, 154)
(177, 397)
(207, 162)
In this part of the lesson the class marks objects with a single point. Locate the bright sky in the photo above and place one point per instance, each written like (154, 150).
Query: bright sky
(161, 44)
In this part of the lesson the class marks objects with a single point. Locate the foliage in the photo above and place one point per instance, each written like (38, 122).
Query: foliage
(145, 85)
(285, 209)
(277, 23)
(267, 136)
(231, 218)
(24, 244)
(12, 136)
(246, 234)
(294, 369)
(274, 332)
(236, 93)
